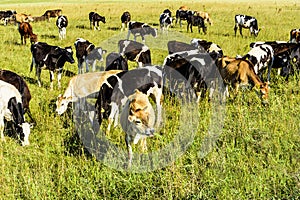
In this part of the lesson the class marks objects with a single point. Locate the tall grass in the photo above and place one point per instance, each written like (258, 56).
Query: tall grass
(256, 155)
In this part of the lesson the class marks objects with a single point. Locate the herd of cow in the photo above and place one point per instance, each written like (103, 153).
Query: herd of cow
(188, 71)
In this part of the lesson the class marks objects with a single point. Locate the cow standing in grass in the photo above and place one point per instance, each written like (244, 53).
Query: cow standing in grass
(25, 30)
(140, 29)
(125, 19)
(62, 23)
(248, 22)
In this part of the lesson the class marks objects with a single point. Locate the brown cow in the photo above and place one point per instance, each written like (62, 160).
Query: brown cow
(205, 16)
(39, 18)
(239, 72)
(21, 17)
(52, 13)
(25, 30)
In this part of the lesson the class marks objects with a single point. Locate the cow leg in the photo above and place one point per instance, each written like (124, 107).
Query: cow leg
(59, 77)
(94, 66)
(114, 111)
(128, 34)
(241, 31)
(235, 29)
(51, 79)
(144, 144)
(123, 27)
(98, 26)
(129, 149)
(87, 65)
(143, 38)
(2, 127)
(38, 74)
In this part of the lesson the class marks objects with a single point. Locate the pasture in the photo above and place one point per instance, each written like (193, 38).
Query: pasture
(256, 154)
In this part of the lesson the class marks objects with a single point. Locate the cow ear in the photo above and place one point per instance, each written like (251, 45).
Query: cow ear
(104, 51)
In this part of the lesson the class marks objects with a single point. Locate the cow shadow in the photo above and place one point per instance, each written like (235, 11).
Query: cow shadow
(49, 36)
(68, 73)
(82, 27)
(13, 43)
(114, 28)
(30, 80)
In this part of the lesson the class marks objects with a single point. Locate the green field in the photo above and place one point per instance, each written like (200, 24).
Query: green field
(257, 150)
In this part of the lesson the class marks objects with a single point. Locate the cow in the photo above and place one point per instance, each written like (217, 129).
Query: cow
(62, 23)
(95, 18)
(21, 85)
(278, 46)
(261, 57)
(25, 30)
(205, 16)
(82, 85)
(165, 21)
(52, 13)
(87, 52)
(248, 22)
(207, 46)
(176, 46)
(183, 15)
(53, 57)
(125, 18)
(39, 18)
(198, 21)
(115, 61)
(137, 121)
(239, 72)
(189, 71)
(7, 15)
(135, 51)
(141, 29)
(295, 36)
(115, 91)
(11, 110)
(21, 17)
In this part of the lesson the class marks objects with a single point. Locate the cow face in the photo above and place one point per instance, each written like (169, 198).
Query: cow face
(26, 131)
(69, 55)
(62, 104)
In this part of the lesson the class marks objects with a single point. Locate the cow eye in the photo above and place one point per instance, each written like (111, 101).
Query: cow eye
(138, 121)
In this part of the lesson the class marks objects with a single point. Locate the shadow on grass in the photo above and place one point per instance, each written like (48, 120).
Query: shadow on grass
(48, 36)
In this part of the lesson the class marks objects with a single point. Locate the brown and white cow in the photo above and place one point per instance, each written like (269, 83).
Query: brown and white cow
(137, 120)
(205, 16)
(295, 36)
(21, 17)
(25, 30)
(52, 13)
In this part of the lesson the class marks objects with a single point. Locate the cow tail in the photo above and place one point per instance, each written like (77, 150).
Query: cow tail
(31, 65)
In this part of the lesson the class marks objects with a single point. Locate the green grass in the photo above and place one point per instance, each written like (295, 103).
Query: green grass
(256, 156)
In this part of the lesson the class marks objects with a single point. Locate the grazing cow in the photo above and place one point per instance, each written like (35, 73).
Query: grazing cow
(137, 121)
(95, 18)
(240, 72)
(262, 58)
(135, 51)
(7, 16)
(141, 29)
(176, 46)
(115, 61)
(82, 85)
(191, 69)
(125, 18)
(205, 16)
(193, 20)
(21, 17)
(183, 15)
(115, 91)
(53, 57)
(248, 22)
(52, 13)
(17, 81)
(39, 18)
(165, 21)
(207, 46)
(278, 46)
(88, 53)
(11, 109)
(62, 23)
(25, 30)
(295, 36)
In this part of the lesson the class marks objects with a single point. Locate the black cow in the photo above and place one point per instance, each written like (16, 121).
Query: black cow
(116, 89)
(141, 29)
(295, 35)
(62, 23)
(248, 22)
(95, 19)
(183, 15)
(21, 85)
(198, 21)
(7, 15)
(115, 61)
(125, 19)
(53, 57)
(189, 72)
(135, 51)
(176, 46)
(88, 53)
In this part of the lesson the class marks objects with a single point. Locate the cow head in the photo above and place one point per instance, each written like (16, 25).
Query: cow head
(62, 104)
(33, 38)
(263, 91)
(69, 55)
(26, 132)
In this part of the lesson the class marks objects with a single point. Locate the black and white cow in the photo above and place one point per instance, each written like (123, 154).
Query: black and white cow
(207, 46)
(7, 15)
(248, 22)
(115, 61)
(115, 90)
(87, 52)
(62, 23)
(140, 29)
(261, 57)
(11, 110)
(198, 21)
(295, 36)
(95, 19)
(183, 15)
(125, 19)
(52, 57)
(165, 21)
(135, 51)
(190, 72)
(21, 85)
